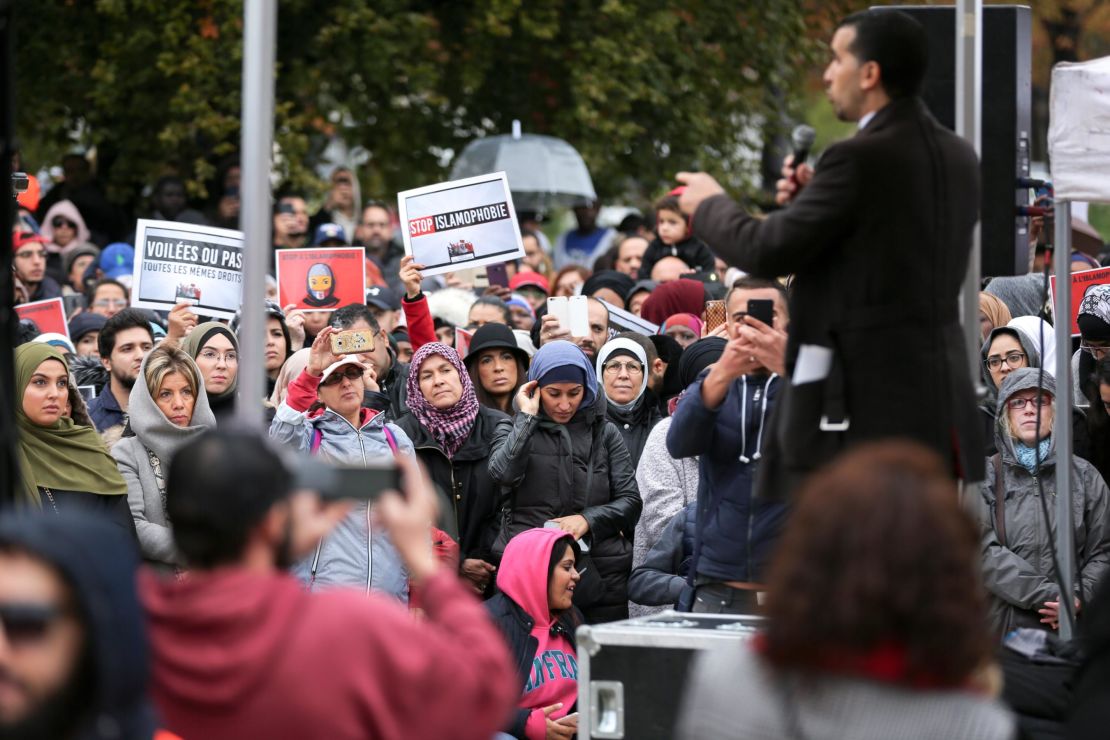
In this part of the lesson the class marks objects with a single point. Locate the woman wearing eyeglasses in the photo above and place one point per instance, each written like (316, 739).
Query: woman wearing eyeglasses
(623, 367)
(64, 230)
(1017, 541)
(166, 409)
(215, 349)
(569, 468)
(322, 414)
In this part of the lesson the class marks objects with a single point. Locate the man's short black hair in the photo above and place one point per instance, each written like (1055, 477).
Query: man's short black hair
(753, 283)
(347, 316)
(897, 43)
(492, 300)
(218, 488)
(128, 318)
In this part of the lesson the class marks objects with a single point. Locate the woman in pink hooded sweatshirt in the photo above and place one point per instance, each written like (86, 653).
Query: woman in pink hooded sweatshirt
(534, 611)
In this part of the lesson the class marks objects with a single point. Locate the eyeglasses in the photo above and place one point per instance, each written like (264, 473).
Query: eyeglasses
(1093, 350)
(230, 357)
(615, 368)
(25, 623)
(1017, 404)
(58, 222)
(1013, 359)
(337, 377)
(109, 302)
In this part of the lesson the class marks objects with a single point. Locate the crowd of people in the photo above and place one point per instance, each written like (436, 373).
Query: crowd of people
(548, 480)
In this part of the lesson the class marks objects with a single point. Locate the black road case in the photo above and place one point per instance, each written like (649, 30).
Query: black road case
(632, 674)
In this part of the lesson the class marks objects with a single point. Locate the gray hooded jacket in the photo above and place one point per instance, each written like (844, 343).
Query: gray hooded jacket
(144, 461)
(353, 554)
(1018, 571)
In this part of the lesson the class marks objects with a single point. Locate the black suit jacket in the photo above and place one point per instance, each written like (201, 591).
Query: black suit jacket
(878, 244)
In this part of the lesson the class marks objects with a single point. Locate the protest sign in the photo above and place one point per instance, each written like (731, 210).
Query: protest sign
(321, 279)
(49, 315)
(462, 342)
(622, 320)
(460, 224)
(1081, 282)
(177, 262)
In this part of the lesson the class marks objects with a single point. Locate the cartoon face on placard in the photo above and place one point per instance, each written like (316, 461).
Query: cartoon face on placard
(321, 279)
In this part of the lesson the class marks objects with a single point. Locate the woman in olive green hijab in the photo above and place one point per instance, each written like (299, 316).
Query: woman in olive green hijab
(64, 465)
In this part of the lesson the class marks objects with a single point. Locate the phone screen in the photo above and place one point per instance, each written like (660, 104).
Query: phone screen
(762, 309)
(497, 275)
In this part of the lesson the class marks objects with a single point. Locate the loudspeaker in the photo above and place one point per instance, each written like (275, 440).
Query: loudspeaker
(1006, 119)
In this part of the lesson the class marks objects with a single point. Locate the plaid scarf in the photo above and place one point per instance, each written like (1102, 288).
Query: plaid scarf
(450, 427)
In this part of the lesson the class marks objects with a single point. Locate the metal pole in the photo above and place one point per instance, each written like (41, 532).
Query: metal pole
(969, 117)
(259, 34)
(1065, 548)
(9, 466)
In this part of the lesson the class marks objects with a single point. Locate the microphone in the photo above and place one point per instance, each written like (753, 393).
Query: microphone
(802, 138)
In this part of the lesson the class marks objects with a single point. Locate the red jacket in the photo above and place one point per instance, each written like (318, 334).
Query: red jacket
(243, 654)
(419, 320)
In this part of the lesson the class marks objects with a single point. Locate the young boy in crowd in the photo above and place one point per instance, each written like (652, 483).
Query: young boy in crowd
(674, 239)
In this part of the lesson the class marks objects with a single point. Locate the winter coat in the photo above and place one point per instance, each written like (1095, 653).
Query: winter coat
(471, 495)
(583, 467)
(667, 485)
(1017, 570)
(733, 693)
(690, 250)
(245, 654)
(352, 554)
(736, 529)
(660, 579)
(144, 461)
(878, 245)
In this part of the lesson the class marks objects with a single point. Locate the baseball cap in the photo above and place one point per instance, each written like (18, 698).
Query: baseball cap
(347, 360)
(383, 298)
(23, 238)
(327, 233)
(117, 260)
(529, 278)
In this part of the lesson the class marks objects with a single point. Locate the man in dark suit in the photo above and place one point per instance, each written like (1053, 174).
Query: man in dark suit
(877, 239)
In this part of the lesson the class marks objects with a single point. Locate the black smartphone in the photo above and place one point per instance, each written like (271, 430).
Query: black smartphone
(73, 302)
(762, 309)
(498, 275)
(353, 482)
(286, 208)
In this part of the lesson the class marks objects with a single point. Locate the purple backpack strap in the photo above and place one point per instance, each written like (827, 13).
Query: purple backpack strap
(317, 438)
(389, 438)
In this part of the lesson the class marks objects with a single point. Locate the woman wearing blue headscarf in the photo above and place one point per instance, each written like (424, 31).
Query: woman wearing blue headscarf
(567, 467)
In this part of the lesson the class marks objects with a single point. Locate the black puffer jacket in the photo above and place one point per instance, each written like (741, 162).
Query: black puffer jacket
(582, 467)
(470, 511)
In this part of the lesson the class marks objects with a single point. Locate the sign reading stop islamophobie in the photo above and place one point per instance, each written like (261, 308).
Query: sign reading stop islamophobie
(1081, 282)
(461, 224)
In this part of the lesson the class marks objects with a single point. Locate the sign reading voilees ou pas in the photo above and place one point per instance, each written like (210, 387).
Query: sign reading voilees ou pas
(460, 224)
(176, 262)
